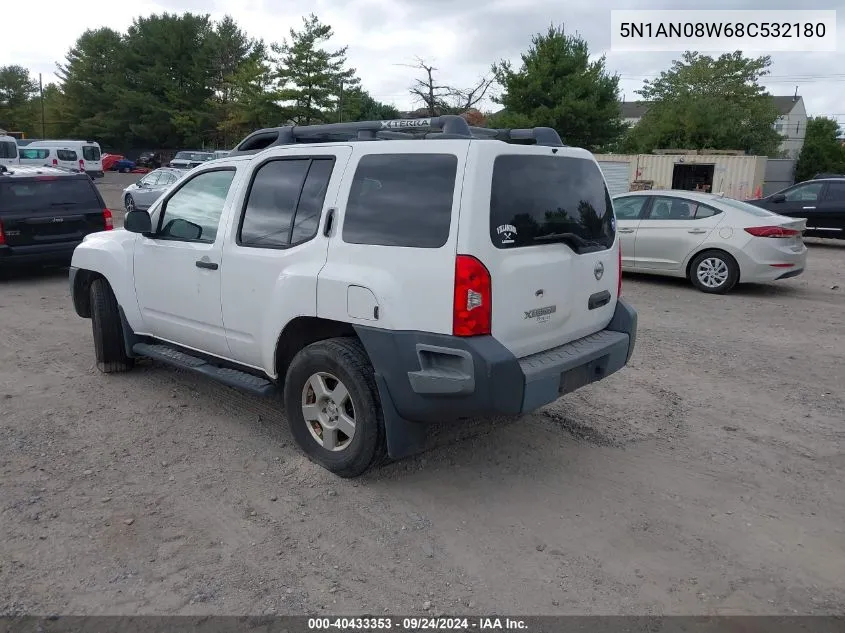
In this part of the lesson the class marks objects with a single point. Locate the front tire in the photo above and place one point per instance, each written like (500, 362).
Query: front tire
(333, 407)
(129, 203)
(714, 272)
(107, 329)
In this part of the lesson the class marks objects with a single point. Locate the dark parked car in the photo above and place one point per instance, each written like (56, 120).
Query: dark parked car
(152, 160)
(45, 212)
(820, 201)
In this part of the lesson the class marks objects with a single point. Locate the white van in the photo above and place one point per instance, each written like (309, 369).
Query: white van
(8, 149)
(87, 155)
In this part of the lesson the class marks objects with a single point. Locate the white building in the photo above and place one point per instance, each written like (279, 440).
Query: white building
(791, 121)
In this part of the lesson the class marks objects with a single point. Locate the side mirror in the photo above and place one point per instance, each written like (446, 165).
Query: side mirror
(182, 229)
(778, 197)
(138, 222)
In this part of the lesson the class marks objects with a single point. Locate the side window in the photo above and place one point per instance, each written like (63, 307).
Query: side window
(401, 200)
(193, 212)
(271, 203)
(703, 211)
(805, 192)
(66, 154)
(311, 201)
(671, 209)
(629, 208)
(835, 192)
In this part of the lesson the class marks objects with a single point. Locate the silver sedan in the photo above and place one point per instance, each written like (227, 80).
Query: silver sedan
(713, 241)
(146, 191)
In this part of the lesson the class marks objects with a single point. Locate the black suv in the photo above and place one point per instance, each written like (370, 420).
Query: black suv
(45, 212)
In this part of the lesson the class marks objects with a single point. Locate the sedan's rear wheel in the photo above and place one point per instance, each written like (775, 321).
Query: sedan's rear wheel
(714, 272)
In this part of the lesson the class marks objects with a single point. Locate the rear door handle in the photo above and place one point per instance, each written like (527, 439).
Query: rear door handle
(697, 231)
(204, 264)
(626, 230)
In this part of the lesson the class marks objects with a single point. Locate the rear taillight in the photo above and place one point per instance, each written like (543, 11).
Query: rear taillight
(108, 220)
(619, 280)
(55, 162)
(81, 165)
(473, 309)
(772, 231)
(2, 235)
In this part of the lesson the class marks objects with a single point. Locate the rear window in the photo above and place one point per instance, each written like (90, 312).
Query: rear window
(65, 154)
(401, 200)
(541, 199)
(90, 152)
(26, 195)
(8, 149)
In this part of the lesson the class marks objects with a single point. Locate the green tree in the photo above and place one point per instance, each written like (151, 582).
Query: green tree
(822, 152)
(558, 86)
(358, 105)
(92, 81)
(17, 90)
(310, 77)
(707, 103)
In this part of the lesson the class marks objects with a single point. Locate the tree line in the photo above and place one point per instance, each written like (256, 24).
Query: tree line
(185, 81)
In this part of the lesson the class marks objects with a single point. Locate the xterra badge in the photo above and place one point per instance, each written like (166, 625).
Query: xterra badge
(507, 232)
(541, 314)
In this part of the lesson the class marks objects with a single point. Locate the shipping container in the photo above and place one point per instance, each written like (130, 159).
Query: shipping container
(739, 177)
(616, 173)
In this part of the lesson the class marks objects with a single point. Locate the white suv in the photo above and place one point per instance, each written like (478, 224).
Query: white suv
(375, 277)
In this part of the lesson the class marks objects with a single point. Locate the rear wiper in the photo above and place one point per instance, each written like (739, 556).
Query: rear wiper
(567, 237)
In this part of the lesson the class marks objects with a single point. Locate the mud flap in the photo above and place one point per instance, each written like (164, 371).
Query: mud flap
(404, 438)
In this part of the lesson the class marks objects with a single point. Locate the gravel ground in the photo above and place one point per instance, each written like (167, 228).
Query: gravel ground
(704, 478)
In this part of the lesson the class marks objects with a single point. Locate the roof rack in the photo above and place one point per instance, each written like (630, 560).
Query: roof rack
(449, 126)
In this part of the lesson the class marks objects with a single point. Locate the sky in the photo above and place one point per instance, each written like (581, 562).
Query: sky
(460, 39)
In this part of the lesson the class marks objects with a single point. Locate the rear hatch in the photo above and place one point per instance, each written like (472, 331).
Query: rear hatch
(542, 223)
(47, 209)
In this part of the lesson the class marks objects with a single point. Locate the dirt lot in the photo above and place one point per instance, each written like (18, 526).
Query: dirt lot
(705, 478)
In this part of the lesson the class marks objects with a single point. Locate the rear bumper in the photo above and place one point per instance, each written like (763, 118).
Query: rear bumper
(60, 252)
(434, 377)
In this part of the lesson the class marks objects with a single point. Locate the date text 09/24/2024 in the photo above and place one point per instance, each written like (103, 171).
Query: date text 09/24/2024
(416, 623)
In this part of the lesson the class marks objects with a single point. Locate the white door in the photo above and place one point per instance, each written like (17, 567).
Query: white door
(273, 258)
(177, 270)
(629, 212)
(671, 229)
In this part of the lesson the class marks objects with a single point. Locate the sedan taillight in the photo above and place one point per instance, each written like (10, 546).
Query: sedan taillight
(772, 231)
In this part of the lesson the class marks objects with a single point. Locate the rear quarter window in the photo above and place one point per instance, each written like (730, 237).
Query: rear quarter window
(8, 149)
(401, 200)
(536, 198)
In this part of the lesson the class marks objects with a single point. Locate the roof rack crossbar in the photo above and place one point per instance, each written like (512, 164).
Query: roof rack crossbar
(447, 126)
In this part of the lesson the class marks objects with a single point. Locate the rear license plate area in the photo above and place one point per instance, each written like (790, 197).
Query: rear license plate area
(583, 375)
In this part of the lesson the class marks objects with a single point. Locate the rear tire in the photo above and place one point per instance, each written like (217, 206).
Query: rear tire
(345, 392)
(714, 272)
(107, 329)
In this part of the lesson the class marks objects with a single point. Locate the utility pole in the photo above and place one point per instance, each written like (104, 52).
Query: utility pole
(41, 90)
(340, 104)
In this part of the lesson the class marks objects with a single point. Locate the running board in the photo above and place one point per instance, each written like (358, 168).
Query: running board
(230, 377)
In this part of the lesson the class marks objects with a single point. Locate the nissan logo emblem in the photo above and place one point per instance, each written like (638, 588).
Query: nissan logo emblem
(598, 271)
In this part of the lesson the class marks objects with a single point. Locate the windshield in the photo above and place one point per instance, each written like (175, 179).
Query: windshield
(748, 208)
(193, 156)
(8, 149)
(541, 199)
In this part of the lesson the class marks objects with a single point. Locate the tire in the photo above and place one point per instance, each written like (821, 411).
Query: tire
(324, 363)
(129, 203)
(107, 329)
(714, 272)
